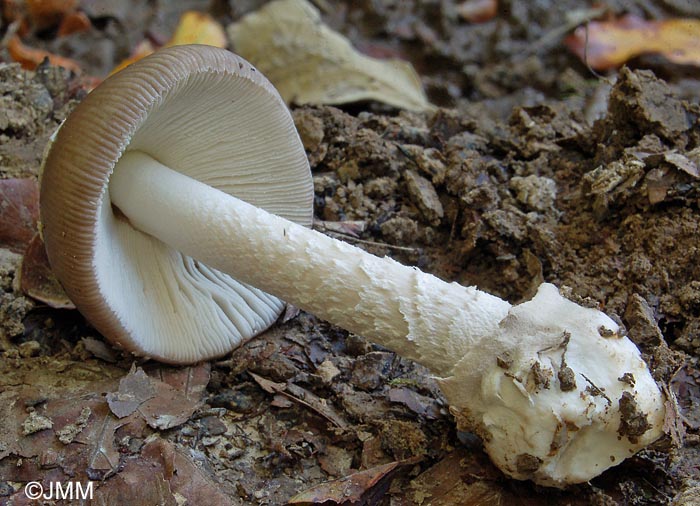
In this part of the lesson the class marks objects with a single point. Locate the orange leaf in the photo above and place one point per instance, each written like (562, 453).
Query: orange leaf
(13, 10)
(74, 22)
(198, 28)
(46, 13)
(612, 43)
(30, 58)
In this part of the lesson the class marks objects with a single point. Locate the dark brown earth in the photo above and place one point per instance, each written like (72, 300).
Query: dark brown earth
(527, 177)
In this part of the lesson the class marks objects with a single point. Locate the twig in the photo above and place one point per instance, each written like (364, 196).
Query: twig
(552, 37)
(585, 59)
(350, 238)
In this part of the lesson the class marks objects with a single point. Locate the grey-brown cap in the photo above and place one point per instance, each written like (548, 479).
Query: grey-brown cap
(209, 114)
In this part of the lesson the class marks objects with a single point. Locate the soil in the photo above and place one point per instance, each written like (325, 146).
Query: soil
(533, 170)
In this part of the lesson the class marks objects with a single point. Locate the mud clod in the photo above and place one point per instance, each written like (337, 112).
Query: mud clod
(633, 423)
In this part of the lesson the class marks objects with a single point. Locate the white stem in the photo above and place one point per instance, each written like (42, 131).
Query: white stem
(411, 312)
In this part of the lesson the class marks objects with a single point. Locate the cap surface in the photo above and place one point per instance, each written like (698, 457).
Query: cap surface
(209, 114)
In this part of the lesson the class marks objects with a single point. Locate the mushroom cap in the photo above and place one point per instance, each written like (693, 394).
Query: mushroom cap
(206, 113)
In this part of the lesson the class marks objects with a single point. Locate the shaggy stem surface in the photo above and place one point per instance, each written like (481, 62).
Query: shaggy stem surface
(399, 307)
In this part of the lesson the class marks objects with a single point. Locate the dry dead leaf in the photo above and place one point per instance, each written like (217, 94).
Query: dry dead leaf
(19, 208)
(466, 478)
(198, 28)
(99, 349)
(302, 396)
(185, 478)
(37, 279)
(164, 401)
(311, 64)
(129, 486)
(134, 389)
(271, 387)
(193, 28)
(30, 58)
(74, 22)
(13, 10)
(419, 404)
(364, 487)
(98, 436)
(609, 44)
(47, 13)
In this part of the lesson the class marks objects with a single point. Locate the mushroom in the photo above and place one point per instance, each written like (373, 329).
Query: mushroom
(177, 196)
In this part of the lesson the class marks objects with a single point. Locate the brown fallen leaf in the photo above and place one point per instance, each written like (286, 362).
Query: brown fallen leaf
(609, 44)
(134, 389)
(419, 404)
(190, 381)
(13, 10)
(82, 442)
(37, 279)
(129, 486)
(301, 396)
(466, 478)
(364, 487)
(185, 478)
(98, 436)
(311, 64)
(271, 387)
(99, 349)
(30, 58)
(164, 399)
(19, 208)
(47, 13)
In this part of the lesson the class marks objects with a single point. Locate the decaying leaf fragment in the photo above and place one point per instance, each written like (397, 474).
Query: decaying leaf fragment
(38, 281)
(363, 487)
(609, 44)
(30, 57)
(311, 64)
(163, 402)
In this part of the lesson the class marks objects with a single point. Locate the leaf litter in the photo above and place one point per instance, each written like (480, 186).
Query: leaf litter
(311, 64)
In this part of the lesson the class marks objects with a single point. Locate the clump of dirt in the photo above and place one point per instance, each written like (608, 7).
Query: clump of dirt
(32, 104)
(13, 306)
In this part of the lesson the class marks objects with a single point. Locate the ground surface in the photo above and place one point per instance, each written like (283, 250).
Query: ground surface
(527, 176)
